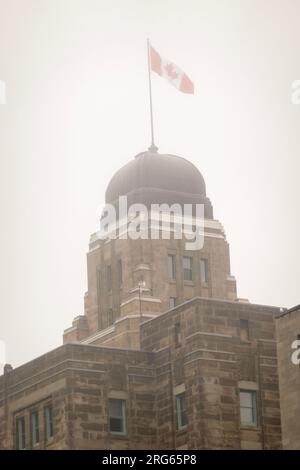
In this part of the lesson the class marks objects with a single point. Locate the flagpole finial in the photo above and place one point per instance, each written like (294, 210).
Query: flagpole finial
(153, 148)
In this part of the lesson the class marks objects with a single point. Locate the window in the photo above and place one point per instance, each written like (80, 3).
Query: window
(110, 318)
(248, 410)
(120, 272)
(21, 433)
(172, 302)
(48, 422)
(181, 412)
(204, 271)
(172, 267)
(34, 428)
(98, 282)
(117, 417)
(244, 330)
(187, 268)
(177, 334)
(108, 278)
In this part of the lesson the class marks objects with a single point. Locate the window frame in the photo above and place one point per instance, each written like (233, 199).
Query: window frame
(120, 272)
(110, 317)
(189, 270)
(34, 428)
(177, 334)
(181, 411)
(108, 277)
(204, 279)
(172, 267)
(21, 419)
(244, 328)
(122, 417)
(253, 408)
(48, 436)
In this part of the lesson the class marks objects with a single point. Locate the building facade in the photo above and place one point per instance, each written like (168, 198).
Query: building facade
(205, 377)
(165, 355)
(288, 348)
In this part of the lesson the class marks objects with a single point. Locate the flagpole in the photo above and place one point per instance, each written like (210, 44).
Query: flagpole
(153, 147)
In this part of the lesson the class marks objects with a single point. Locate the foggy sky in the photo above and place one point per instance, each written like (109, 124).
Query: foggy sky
(77, 109)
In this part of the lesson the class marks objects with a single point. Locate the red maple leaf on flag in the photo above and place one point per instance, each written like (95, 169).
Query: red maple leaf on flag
(171, 72)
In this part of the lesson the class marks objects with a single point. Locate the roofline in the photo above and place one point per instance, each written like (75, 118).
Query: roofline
(209, 299)
(289, 310)
(78, 345)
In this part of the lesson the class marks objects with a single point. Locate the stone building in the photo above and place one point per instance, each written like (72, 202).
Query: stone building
(165, 356)
(288, 350)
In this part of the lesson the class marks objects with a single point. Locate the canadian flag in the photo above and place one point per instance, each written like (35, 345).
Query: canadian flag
(171, 72)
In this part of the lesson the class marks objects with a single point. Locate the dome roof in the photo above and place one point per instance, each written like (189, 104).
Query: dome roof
(153, 178)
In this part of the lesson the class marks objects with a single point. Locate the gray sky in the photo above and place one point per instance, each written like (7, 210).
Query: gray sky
(77, 110)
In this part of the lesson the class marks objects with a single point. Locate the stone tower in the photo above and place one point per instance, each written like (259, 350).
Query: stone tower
(130, 279)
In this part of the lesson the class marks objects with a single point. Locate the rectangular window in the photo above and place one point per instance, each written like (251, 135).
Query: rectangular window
(181, 412)
(48, 422)
(172, 267)
(177, 334)
(204, 271)
(172, 302)
(117, 416)
(98, 283)
(244, 330)
(108, 278)
(110, 317)
(187, 268)
(120, 272)
(34, 428)
(21, 433)
(248, 411)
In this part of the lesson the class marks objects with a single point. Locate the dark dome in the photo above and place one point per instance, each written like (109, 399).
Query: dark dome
(153, 178)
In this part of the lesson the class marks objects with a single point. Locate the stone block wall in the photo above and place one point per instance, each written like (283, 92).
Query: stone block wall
(288, 331)
(214, 362)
